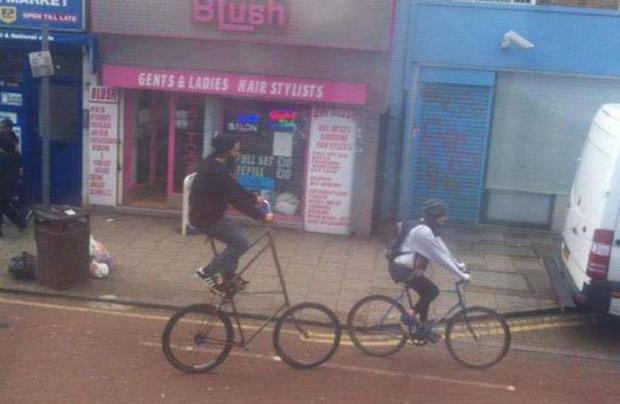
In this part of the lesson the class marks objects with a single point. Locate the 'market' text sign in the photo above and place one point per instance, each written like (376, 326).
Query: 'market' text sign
(59, 15)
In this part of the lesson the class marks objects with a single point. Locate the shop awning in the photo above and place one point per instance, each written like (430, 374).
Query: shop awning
(236, 85)
(32, 38)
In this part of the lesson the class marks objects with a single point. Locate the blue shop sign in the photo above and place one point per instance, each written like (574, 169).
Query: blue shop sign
(60, 15)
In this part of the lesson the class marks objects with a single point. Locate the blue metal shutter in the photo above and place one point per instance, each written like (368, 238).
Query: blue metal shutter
(452, 128)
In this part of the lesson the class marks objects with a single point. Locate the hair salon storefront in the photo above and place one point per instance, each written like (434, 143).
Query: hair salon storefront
(303, 94)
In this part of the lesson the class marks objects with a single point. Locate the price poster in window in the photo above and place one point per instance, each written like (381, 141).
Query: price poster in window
(103, 140)
(330, 170)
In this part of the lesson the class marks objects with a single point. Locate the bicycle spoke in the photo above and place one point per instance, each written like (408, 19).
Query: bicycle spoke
(374, 324)
(478, 337)
(197, 338)
(307, 335)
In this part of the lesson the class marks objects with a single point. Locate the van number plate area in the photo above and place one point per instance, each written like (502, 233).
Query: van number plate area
(565, 252)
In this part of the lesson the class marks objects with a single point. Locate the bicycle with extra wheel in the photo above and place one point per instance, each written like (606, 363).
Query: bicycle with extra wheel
(199, 337)
(476, 337)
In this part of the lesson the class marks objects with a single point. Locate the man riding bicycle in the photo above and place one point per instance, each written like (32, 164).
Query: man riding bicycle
(213, 190)
(420, 246)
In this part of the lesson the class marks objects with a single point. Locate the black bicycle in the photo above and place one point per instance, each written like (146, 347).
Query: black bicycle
(477, 337)
(198, 338)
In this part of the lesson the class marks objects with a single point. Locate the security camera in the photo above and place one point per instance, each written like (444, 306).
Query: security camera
(511, 37)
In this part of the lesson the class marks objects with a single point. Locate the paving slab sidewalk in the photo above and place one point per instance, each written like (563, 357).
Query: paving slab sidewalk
(155, 264)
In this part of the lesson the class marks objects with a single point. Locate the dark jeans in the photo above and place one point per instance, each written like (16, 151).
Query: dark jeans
(230, 233)
(427, 290)
(7, 209)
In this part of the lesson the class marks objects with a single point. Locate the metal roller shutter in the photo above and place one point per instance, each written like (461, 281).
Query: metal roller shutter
(450, 148)
(540, 123)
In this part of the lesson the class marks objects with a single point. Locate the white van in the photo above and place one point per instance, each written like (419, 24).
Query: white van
(590, 254)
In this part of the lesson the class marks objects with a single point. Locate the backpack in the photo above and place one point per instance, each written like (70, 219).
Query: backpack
(402, 231)
(23, 266)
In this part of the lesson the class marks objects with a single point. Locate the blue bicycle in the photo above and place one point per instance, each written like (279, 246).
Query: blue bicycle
(477, 337)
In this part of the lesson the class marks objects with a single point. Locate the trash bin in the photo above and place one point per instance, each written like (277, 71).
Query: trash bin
(62, 236)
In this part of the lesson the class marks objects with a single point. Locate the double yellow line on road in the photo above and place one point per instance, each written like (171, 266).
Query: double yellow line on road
(516, 325)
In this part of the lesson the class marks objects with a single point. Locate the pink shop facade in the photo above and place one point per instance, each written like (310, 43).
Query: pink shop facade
(298, 83)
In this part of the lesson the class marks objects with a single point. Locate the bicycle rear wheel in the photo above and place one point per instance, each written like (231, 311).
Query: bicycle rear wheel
(307, 335)
(477, 337)
(374, 326)
(197, 338)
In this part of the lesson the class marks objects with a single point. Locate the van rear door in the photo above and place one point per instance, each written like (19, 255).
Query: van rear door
(593, 203)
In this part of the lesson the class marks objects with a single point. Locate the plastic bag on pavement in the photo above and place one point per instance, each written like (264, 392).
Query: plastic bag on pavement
(101, 260)
(99, 252)
(99, 269)
(23, 266)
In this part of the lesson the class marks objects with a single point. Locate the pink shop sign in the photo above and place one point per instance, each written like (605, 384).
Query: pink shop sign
(252, 86)
(243, 16)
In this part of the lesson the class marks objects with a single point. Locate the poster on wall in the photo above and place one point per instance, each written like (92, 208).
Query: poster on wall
(330, 170)
(103, 136)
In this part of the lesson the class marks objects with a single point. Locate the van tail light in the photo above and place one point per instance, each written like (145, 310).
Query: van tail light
(598, 261)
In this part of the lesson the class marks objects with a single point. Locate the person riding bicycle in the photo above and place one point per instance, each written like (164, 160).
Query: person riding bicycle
(213, 190)
(422, 245)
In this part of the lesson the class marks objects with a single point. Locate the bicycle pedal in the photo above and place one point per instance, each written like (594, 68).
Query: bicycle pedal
(434, 338)
(239, 284)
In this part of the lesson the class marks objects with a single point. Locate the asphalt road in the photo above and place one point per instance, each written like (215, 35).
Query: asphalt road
(54, 351)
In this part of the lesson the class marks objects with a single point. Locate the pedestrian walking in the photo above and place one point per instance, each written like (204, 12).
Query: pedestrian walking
(6, 129)
(20, 202)
(10, 167)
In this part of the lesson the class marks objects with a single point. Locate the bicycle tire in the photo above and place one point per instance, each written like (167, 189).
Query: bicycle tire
(477, 322)
(311, 330)
(172, 351)
(393, 337)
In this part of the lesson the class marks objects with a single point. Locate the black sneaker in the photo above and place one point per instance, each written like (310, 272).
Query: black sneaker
(425, 333)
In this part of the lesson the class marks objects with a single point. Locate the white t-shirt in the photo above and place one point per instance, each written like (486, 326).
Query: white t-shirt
(422, 240)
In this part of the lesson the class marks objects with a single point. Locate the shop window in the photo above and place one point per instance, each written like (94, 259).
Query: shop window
(273, 148)
(11, 68)
(519, 208)
(189, 137)
(150, 139)
(67, 64)
(65, 125)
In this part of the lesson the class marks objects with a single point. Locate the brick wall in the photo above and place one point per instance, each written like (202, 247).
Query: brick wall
(608, 4)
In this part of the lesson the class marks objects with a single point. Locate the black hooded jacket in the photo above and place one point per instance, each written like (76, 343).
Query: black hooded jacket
(9, 174)
(213, 189)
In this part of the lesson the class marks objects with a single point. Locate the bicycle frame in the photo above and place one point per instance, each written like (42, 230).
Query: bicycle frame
(228, 299)
(406, 292)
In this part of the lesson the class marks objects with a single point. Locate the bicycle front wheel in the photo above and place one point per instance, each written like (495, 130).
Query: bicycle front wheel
(197, 338)
(477, 337)
(374, 325)
(307, 335)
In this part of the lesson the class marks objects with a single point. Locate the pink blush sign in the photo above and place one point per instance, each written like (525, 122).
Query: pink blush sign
(253, 86)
